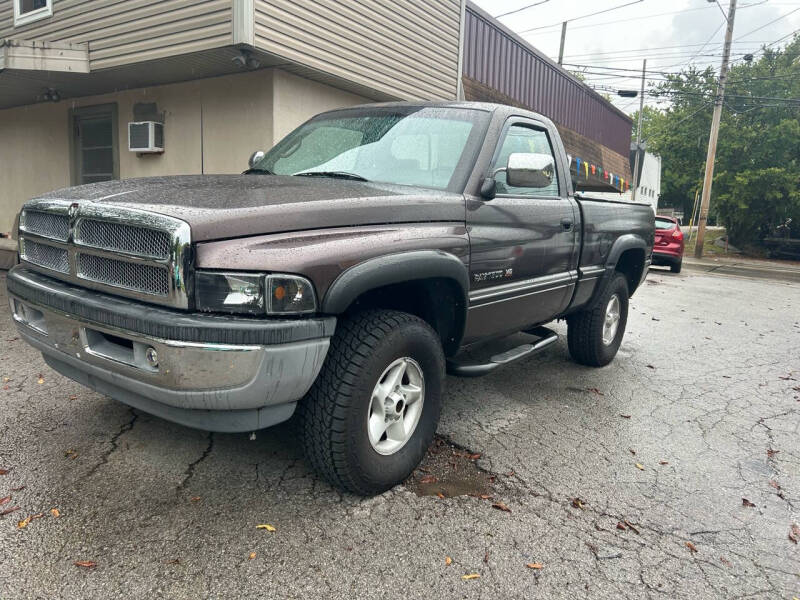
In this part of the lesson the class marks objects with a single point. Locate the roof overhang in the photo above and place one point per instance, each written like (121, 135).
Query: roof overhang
(32, 55)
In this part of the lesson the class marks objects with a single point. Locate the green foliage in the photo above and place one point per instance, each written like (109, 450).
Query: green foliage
(758, 155)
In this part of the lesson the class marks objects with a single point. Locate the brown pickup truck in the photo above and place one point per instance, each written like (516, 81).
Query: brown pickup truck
(335, 281)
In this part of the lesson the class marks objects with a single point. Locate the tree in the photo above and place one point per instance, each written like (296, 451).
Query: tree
(756, 173)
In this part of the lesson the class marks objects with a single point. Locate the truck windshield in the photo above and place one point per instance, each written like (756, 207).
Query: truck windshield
(421, 146)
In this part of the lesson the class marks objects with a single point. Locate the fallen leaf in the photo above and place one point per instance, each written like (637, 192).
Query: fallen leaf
(55, 512)
(747, 503)
(40, 380)
(470, 576)
(501, 506)
(639, 466)
(24, 523)
(625, 416)
(771, 452)
(448, 561)
(485, 497)
(73, 397)
(5, 500)
(4, 471)
(536, 566)
(252, 555)
(621, 526)
(8, 511)
(6, 379)
(692, 548)
(70, 454)
(173, 561)
(86, 564)
(509, 474)
(774, 484)
(475, 456)
(440, 495)
(794, 534)
(594, 390)
(631, 527)
(18, 489)
(650, 367)
(577, 503)
(486, 558)
(266, 526)
(663, 462)
(195, 499)
(429, 479)
(725, 561)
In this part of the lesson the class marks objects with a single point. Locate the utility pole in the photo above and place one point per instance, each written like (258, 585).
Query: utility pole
(712, 139)
(561, 48)
(639, 135)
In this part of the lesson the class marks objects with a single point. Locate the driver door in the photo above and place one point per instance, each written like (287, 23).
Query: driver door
(523, 244)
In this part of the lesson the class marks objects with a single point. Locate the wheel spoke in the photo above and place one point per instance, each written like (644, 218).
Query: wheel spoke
(396, 431)
(393, 378)
(411, 393)
(377, 426)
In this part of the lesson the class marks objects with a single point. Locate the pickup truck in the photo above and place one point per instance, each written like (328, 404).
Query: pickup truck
(335, 281)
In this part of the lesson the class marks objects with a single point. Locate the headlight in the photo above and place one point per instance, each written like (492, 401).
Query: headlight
(253, 293)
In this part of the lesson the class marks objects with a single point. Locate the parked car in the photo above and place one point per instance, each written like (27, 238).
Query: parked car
(335, 280)
(668, 247)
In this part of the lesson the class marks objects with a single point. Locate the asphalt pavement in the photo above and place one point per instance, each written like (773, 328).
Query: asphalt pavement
(672, 473)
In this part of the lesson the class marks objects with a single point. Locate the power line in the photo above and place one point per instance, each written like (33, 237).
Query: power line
(648, 49)
(511, 12)
(600, 12)
(770, 23)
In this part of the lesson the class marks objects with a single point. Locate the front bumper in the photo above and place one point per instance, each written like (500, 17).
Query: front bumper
(211, 372)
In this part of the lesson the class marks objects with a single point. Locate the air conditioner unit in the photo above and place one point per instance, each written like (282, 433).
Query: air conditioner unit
(146, 136)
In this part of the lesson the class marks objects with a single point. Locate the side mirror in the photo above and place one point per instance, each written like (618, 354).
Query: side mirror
(530, 170)
(256, 157)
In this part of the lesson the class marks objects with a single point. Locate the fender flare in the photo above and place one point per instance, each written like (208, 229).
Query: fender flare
(393, 268)
(624, 242)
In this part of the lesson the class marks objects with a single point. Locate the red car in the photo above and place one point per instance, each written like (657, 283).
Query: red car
(668, 247)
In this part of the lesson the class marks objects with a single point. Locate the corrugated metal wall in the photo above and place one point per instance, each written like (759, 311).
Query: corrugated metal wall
(407, 49)
(498, 59)
(129, 31)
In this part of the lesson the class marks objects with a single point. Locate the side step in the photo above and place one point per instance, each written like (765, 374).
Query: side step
(495, 356)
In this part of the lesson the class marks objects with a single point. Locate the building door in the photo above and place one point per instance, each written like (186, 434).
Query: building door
(95, 154)
(523, 244)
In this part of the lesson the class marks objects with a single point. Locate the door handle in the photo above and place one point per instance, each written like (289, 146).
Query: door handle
(566, 224)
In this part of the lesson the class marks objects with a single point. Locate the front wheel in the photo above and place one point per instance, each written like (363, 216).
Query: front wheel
(371, 414)
(595, 334)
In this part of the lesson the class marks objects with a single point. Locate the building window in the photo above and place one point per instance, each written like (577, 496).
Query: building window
(28, 11)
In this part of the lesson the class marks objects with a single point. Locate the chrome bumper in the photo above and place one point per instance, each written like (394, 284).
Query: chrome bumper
(205, 384)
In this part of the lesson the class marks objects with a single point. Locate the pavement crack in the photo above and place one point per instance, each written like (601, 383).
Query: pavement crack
(192, 466)
(114, 445)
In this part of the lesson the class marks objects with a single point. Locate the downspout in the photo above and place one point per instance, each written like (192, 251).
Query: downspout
(460, 74)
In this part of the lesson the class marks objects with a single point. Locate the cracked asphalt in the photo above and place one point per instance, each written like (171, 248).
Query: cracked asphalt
(704, 396)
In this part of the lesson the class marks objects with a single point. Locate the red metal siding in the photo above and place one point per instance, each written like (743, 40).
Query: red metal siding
(499, 59)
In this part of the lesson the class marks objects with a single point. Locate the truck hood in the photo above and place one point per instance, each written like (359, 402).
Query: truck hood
(226, 206)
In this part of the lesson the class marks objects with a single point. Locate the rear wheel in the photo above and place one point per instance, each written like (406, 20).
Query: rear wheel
(595, 334)
(373, 410)
(676, 266)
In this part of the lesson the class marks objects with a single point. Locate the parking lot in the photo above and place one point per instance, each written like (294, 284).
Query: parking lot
(674, 472)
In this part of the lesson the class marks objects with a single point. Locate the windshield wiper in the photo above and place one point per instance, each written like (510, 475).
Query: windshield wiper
(256, 170)
(334, 174)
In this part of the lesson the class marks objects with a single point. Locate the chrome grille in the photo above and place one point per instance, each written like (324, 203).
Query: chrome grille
(115, 249)
(46, 224)
(123, 238)
(45, 256)
(132, 276)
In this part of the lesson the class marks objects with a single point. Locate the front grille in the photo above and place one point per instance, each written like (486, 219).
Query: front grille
(46, 224)
(132, 276)
(123, 238)
(45, 256)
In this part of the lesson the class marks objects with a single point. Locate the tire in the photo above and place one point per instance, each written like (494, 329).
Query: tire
(333, 417)
(585, 328)
(676, 267)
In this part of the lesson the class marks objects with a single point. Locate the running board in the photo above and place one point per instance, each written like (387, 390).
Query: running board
(470, 368)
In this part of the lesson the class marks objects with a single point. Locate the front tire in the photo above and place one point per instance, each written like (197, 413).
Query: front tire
(595, 334)
(371, 414)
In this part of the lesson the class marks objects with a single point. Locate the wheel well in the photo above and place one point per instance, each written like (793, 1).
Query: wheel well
(437, 301)
(631, 264)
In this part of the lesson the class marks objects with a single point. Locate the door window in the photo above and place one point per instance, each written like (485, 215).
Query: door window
(95, 155)
(520, 138)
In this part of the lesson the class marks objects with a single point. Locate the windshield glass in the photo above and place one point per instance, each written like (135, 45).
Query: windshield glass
(422, 146)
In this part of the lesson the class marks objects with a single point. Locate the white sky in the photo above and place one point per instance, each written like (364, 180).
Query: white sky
(669, 33)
